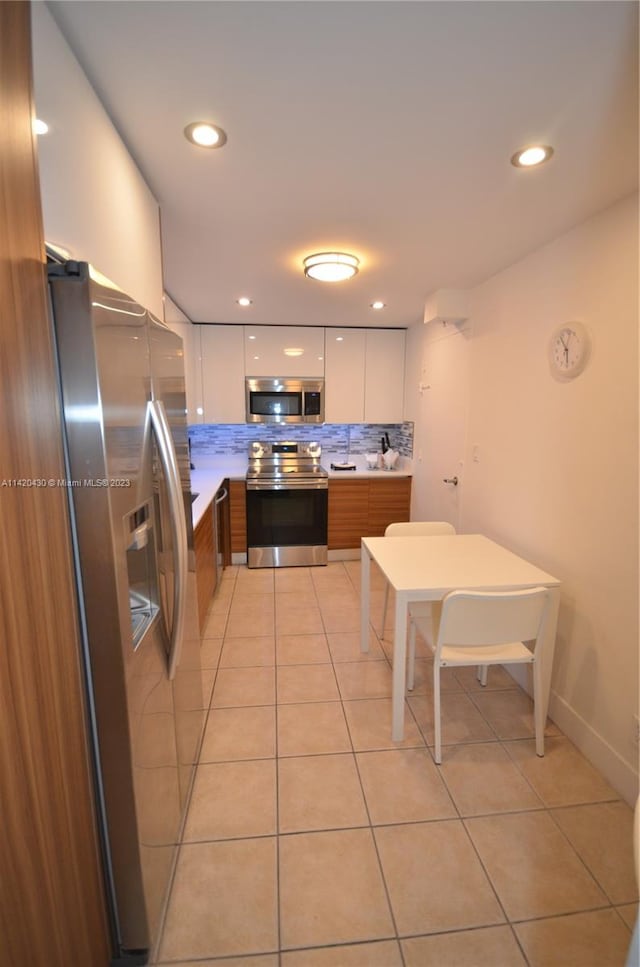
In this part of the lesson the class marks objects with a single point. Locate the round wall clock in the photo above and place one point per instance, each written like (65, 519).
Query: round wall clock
(569, 350)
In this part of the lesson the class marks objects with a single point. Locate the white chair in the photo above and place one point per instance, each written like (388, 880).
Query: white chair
(414, 528)
(487, 628)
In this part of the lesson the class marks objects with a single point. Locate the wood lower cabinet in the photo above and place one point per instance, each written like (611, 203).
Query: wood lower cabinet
(361, 507)
(389, 501)
(348, 512)
(238, 516)
(204, 544)
(364, 507)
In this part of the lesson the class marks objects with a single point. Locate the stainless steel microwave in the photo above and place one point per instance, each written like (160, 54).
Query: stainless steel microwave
(284, 400)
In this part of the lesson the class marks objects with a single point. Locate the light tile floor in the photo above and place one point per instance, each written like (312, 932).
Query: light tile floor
(313, 840)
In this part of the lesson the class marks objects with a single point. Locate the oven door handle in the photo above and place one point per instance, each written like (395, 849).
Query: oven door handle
(265, 485)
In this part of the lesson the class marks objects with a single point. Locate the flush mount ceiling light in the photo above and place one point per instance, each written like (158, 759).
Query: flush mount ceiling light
(331, 266)
(205, 134)
(529, 157)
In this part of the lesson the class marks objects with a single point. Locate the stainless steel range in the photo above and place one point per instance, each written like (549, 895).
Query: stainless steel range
(287, 500)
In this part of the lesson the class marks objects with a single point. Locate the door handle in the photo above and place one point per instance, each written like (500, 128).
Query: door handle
(168, 459)
(451, 480)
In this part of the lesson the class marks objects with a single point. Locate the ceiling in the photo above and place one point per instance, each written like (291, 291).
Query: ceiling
(383, 129)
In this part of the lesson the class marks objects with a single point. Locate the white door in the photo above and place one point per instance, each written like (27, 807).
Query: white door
(440, 423)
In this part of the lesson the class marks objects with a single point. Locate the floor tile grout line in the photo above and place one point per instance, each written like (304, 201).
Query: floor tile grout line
(576, 851)
(368, 813)
(185, 816)
(354, 754)
(517, 920)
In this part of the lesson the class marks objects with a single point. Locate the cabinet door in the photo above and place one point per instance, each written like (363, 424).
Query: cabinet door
(223, 373)
(190, 336)
(348, 513)
(344, 375)
(389, 502)
(284, 351)
(384, 376)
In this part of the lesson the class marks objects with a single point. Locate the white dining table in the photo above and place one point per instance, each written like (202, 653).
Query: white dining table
(426, 569)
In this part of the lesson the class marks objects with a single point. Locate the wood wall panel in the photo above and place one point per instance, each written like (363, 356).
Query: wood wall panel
(224, 527)
(206, 565)
(52, 908)
(238, 516)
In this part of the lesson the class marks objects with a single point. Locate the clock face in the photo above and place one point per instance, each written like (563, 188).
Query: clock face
(569, 350)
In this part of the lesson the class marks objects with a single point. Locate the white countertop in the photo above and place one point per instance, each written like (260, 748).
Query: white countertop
(206, 484)
(210, 473)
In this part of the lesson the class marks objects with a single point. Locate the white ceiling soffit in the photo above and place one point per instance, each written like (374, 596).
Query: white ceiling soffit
(383, 129)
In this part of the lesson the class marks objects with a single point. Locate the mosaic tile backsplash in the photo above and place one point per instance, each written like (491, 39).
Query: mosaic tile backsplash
(208, 439)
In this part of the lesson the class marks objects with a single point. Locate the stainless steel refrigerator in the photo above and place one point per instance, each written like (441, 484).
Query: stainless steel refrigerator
(123, 401)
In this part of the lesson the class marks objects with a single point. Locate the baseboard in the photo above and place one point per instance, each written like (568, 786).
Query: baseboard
(616, 770)
(621, 774)
(345, 555)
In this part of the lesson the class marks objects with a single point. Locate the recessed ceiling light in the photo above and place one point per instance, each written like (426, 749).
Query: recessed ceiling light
(378, 305)
(339, 338)
(331, 266)
(40, 127)
(244, 301)
(531, 156)
(205, 134)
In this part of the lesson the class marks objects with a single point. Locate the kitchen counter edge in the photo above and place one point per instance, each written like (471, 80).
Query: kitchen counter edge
(207, 481)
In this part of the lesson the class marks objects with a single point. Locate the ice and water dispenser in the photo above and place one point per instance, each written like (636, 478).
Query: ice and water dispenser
(141, 570)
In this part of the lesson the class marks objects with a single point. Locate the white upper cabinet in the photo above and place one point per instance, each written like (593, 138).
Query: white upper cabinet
(363, 369)
(283, 351)
(344, 375)
(384, 376)
(190, 335)
(223, 373)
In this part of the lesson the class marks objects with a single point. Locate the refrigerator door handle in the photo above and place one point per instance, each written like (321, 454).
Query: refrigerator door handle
(169, 462)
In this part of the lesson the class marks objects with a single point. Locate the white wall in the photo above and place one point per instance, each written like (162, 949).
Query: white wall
(556, 477)
(95, 202)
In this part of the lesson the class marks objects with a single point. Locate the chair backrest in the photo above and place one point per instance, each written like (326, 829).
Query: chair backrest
(419, 528)
(492, 617)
